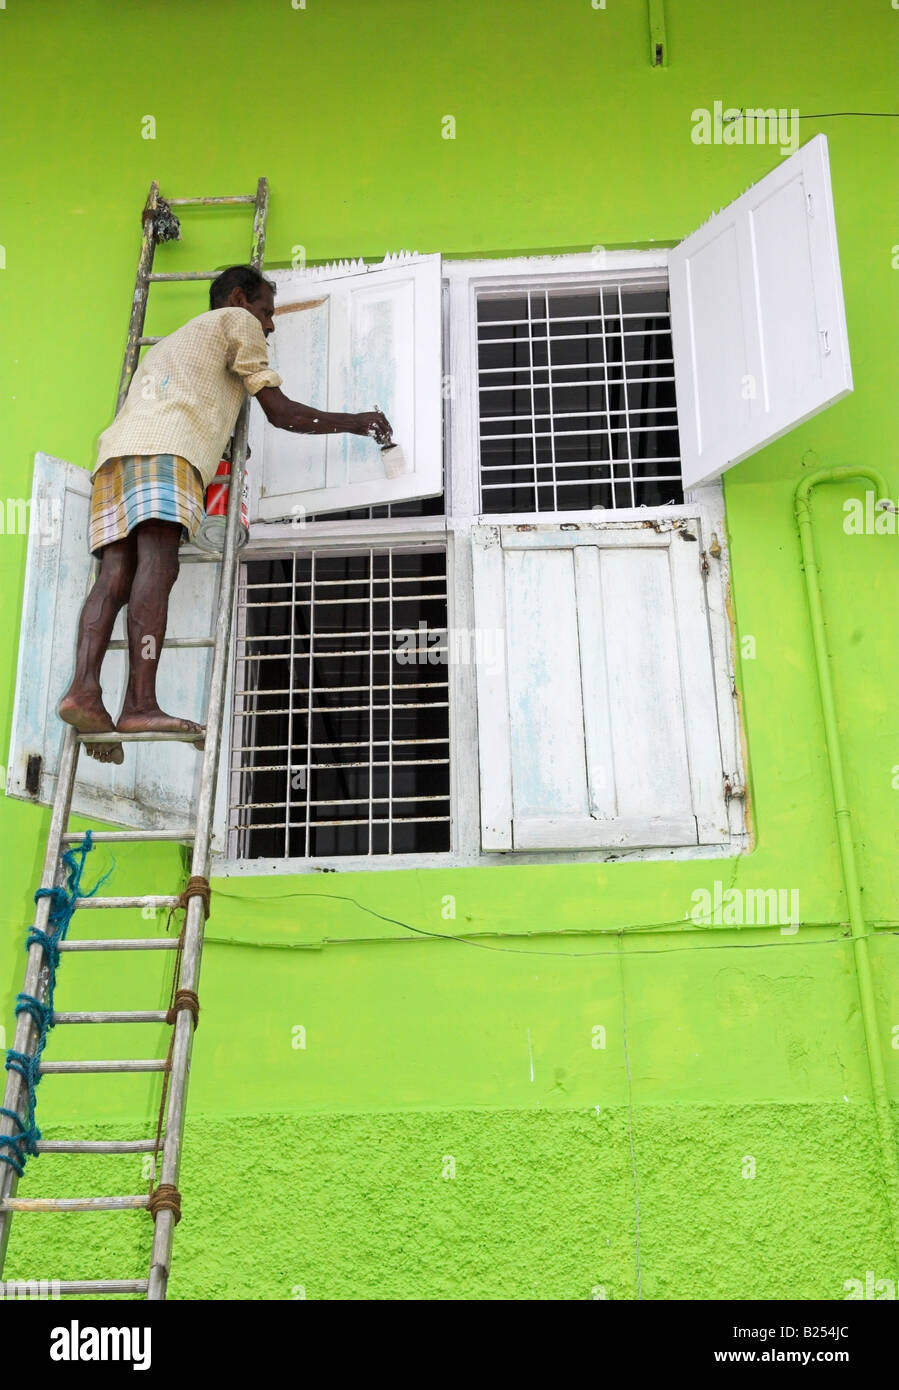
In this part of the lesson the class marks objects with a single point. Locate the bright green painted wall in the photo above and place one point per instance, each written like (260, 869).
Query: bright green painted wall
(739, 1043)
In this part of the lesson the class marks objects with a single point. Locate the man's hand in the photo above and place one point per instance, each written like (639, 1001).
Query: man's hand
(375, 424)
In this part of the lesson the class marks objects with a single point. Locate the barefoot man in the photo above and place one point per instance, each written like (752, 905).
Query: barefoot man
(153, 465)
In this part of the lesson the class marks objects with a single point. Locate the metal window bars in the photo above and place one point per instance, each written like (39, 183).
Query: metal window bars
(577, 406)
(341, 710)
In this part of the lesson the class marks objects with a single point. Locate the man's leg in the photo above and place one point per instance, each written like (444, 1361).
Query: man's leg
(82, 704)
(148, 606)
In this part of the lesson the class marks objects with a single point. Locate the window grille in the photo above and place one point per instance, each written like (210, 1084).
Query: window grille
(577, 404)
(341, 721)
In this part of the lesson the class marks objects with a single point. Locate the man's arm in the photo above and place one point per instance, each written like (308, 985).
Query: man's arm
(286, 414)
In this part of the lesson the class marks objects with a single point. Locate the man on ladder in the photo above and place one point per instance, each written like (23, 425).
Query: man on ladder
(153, 464)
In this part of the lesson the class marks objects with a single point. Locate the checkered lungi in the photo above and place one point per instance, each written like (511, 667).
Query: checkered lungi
(144, 487)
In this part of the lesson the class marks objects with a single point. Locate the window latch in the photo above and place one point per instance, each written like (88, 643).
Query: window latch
(733, 788)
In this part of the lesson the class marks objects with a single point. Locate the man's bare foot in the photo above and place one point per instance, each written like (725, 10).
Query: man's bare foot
(155, 721)
(88, 714)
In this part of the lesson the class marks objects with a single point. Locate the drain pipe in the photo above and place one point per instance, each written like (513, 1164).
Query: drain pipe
(859, 936)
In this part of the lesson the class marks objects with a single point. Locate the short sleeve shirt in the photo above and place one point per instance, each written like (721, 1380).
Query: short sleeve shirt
(187, 391)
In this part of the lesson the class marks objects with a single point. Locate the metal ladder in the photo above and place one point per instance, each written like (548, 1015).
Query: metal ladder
(59, 838)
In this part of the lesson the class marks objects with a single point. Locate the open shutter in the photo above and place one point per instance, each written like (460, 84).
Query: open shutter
(757, 317)
(349, 338)
(599, 728)
(156, 786)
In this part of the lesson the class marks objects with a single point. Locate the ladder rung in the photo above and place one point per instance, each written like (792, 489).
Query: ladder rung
(149, 737)
(184, 275)
(191, 555)
(128, 1016)
(73, 1203)
(97, 1146)
(148, 900)
(195, 202)
(78, 1068)
(121, 645)
(74, 837)
(64, 1286)
(129, 943)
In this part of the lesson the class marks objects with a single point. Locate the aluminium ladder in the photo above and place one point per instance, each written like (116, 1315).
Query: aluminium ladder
(195, 899)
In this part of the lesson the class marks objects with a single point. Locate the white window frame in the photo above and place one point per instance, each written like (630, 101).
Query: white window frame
(463, 281)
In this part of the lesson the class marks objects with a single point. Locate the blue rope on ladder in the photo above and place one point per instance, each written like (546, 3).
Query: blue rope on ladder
(62, 908)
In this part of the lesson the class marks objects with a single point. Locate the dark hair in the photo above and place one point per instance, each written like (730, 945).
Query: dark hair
(236, 277)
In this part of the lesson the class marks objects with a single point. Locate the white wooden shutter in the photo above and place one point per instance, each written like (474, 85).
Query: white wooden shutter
(155, 787)
(757, 317)
(348, 338)
(599, 728)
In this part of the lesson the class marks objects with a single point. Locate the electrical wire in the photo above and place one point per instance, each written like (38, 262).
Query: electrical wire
(519, 950)
(822, 115)
(826, 115)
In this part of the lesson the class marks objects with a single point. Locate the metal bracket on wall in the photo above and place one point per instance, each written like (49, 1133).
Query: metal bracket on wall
(658, 43)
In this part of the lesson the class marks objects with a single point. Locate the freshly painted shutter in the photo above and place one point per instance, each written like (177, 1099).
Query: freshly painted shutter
(348, 338)
(156, 785)
(757, 317)
(598, 728)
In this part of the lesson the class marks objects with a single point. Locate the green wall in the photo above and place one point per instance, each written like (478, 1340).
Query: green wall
(577, 1169)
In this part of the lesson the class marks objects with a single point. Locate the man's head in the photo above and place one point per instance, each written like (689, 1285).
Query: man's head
(242, 287)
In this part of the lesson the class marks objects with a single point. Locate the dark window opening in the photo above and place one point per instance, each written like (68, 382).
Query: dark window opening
(413, 506)
(577, 405)
(341, 717)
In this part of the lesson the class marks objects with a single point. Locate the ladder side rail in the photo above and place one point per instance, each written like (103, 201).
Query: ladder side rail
(260, 217)
(36, 974)
(195, 922)
(139, 300)
(257, 253)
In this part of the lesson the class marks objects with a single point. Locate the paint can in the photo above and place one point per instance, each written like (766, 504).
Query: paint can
(211, 533)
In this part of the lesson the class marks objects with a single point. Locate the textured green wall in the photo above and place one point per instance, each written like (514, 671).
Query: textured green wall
(721, 1045)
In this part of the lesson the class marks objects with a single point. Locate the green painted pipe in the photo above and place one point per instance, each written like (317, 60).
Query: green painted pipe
(802, 510)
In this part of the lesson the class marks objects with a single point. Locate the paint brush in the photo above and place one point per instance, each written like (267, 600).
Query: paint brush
(392, 457)
(394, 460)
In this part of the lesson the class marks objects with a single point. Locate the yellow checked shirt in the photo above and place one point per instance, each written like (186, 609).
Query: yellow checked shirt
(188, 389)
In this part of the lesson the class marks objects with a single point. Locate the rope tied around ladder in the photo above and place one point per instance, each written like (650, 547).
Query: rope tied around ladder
(28, 1065)
(184, 999)
(165, 1197)
(197, 887)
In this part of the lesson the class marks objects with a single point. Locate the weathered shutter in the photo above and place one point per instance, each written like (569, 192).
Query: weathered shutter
(757, 317)
(599, 726)
(156, 785)
(348, 338)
